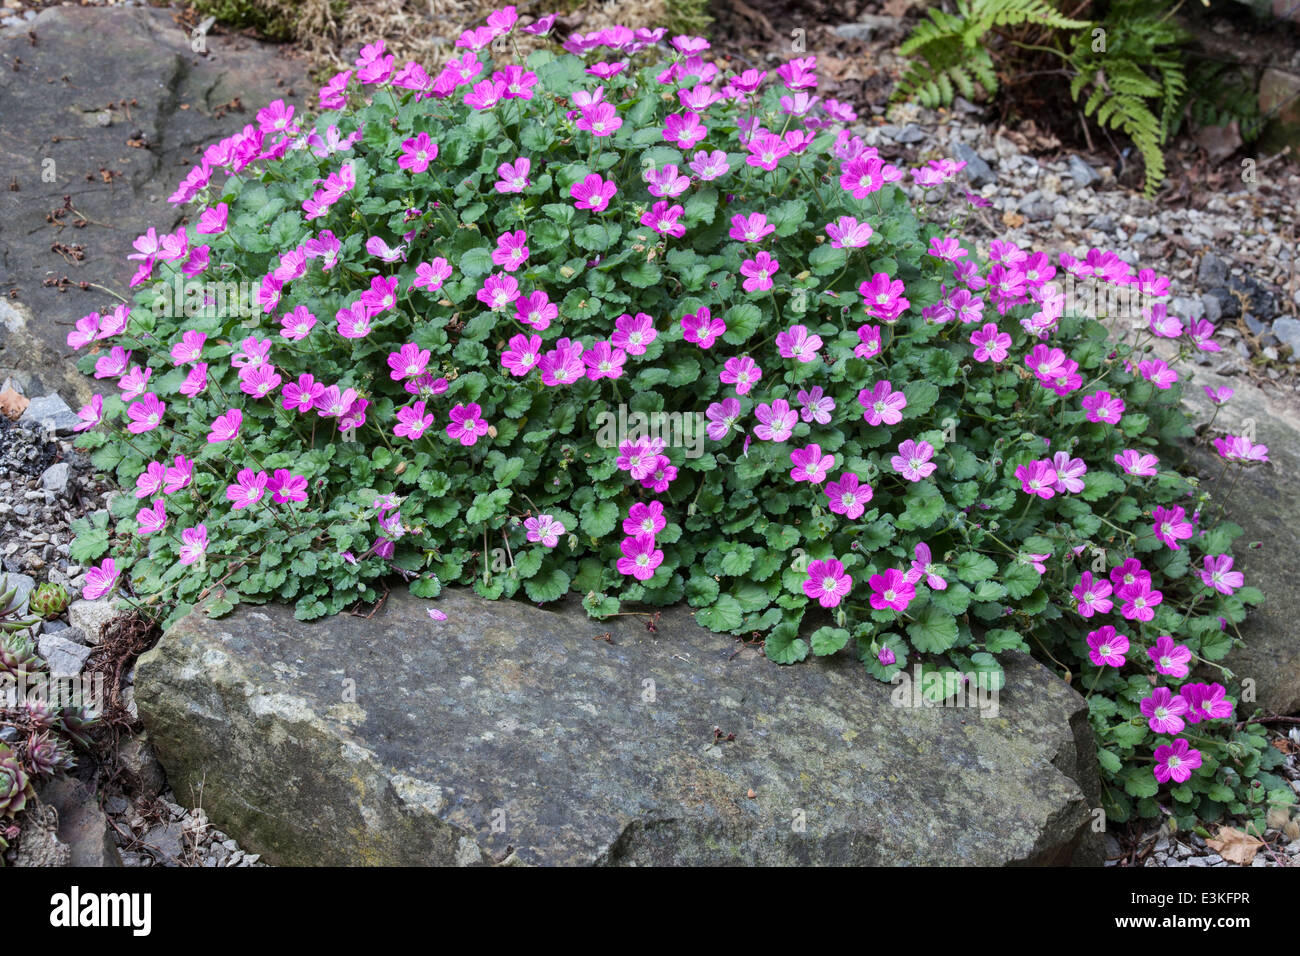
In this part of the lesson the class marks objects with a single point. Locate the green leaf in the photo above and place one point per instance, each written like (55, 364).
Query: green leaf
(933, 631)
(828, 640)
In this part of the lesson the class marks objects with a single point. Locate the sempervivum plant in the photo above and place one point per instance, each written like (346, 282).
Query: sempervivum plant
(611, 321)
(47, 754)
(48, 601)
(15, 785)
(18, 659)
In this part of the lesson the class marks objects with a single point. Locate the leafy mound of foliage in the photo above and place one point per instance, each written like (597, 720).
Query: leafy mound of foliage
(1130, 68)
(909, 454)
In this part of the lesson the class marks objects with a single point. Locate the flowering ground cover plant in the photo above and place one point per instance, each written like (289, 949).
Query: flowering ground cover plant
(459, 280)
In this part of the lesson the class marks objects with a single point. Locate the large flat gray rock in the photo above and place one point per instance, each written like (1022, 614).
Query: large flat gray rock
(1266, 503)
(107, 107)
(511, 733)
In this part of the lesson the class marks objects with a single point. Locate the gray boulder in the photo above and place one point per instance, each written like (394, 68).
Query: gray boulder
(1266, 504)
(514, 734)
(977, 171)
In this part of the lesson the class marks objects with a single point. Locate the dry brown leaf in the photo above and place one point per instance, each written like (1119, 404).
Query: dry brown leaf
(1235, 846)
(896, 8)
(13, 403)
(1012, 220)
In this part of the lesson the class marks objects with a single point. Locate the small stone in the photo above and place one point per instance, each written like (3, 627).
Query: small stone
(911, 133)
(51, 413)
(65, 658)
(1083, 174)
(1212, 271)
(55, 478)
(978, 172)
(91, 616)
(1287, 330)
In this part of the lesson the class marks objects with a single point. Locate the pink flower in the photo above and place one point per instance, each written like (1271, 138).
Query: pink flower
(466, 425)
(741, 372)
(603, 361)
(1106, 647)
(417, 153)
(189, 348)
(1138, 464)
(1139, 601)
(849, 496)
(413, 423)
(196, 381)
(1069, 473)
(1037, 478)
(913, 460)
(212, 221)
(1103, 407)
(1157, 373)
(523, 354)
(248, 488)
(1176, 761)
(225, 427)
(1236, 448)
(91, 414)
(1205, 702)
(514, 176)
(194, 544)
(434, 613)
(409, 361)
(511, 251)
(431, 275)
(777, 420)
(666, 182)
(285, 487)
(751, 228)
(86, 330)
(498, 292)
(702, 328)
(759, 271)
(544, 529)
(258, 381)
(1218, 574)
(847, 233)
(1218, 395)
(1171, 526)
(600, 119)
(152, 518)
(816, 407)
(685, 130)
(537, 310)
(1093, 595)
(178, 475)
(990, 344)
(881, 404)
(810, 464)
(592, 192)
(827, 584)
(1163, 710)
(891, 590)
(924, 567)
(643, 518)
(302, 396)
(1170, 658)
(722, 418)
(797, 343)
(638, 458)
(663, 219)
(563, 364)
(633, 333)
(100, 580)
(1130, 572)
(146, 414)
(710, 165)
(640, 558)
(868, 342)
(113, 364)
(297, 324)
